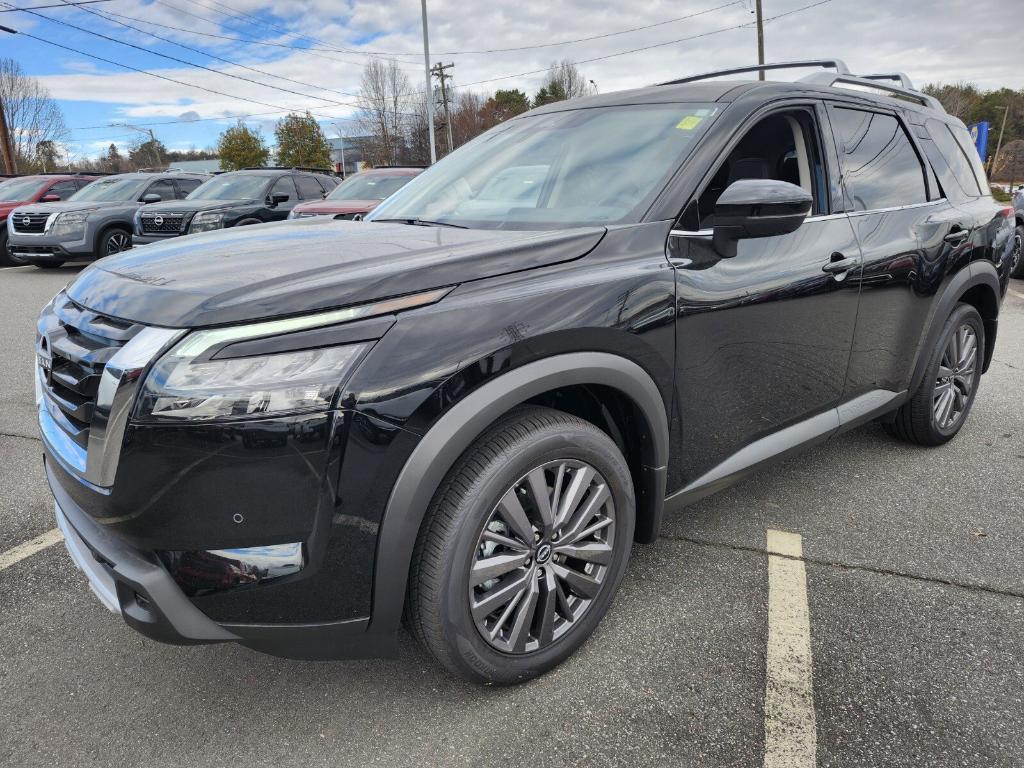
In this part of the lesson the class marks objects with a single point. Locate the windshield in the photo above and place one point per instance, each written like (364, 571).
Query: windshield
(111, 190)
(245, 186)
(562, 169)
(368, 186)
(16, 190)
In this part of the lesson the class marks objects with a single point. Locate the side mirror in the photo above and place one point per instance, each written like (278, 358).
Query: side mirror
(751, 208)
(276, 200)
(152, 197)
(49, 199)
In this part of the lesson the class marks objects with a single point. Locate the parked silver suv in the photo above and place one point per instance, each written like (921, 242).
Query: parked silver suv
(1017, 265)
(96, 221)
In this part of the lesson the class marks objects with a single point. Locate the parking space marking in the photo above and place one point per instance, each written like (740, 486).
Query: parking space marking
(1018, 295)
(790, 740)
(30, 547)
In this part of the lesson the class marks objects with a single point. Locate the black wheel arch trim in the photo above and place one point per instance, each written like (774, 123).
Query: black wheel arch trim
(464, 422)
(127, 227)
(977, 273)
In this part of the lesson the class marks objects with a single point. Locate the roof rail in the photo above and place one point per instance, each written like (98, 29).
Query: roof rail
(837, 64)
(900, 77)
(327, 171)
(873, 84)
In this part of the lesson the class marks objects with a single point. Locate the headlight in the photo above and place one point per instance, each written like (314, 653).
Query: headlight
(188, 386)
(204, 222)
(70, 225)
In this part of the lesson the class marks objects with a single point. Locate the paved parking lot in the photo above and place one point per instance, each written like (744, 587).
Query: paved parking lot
(915, 580)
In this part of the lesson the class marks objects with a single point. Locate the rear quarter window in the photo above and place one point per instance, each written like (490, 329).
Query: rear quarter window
(950, 161)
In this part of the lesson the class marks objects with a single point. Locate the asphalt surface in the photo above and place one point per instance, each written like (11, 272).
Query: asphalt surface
(915, 577)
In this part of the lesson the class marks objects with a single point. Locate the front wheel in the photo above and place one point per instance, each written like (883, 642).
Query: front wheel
(939, 407)
(114, 240)
(523, 547)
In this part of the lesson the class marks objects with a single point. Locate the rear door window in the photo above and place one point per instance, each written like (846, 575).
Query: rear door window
(881, 168)
(186, 186)
(309, 188)
(284, 186)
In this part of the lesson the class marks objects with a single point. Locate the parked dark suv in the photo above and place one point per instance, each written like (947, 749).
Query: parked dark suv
(466, 409)
(234, 199)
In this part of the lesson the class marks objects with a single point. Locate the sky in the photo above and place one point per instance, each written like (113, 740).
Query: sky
(265, 59)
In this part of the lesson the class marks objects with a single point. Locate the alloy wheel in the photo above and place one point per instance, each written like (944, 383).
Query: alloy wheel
(1018, 245)
(543, 556)
(117, 242)
(955, 380)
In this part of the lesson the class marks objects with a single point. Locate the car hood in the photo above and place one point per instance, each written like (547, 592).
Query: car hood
(338, 206)
(179, 206)
(264, 271)
(71, 205)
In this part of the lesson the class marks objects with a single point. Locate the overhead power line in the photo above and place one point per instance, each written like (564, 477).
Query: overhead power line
(104, 16)
(217, 118)
(184, 61)
(650, 47)
(276, 107)
(55, 5)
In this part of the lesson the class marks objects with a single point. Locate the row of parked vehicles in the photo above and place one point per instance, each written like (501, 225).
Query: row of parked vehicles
(50, 219)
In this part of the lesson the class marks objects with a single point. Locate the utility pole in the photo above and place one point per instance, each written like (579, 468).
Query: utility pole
(430, 88)
(152, 139)
(999, 144)
(341, 136)
(6, 148)
(760, 39)
(440, 73)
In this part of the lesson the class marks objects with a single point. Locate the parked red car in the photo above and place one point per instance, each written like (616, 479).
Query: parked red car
(39, 188)
(358, 195)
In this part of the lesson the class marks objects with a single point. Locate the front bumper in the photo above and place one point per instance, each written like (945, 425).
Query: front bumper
(138, 239)
(134, 583)
(45, 248)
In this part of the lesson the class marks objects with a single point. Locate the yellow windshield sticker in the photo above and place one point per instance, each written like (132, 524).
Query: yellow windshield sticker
(689, 123)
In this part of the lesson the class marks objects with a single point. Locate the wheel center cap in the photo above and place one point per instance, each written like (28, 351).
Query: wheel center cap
(543, 553)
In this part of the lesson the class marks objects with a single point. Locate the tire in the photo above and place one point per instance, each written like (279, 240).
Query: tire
(923, 419)
(526, 638)
(6, 259)
(46, 264)
(1017, 260)
(112, 241)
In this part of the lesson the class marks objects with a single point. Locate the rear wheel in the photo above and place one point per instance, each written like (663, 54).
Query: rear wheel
(1017, 257)
(942, 402)
(523, 547)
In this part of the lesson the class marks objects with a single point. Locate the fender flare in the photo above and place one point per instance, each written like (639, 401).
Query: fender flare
(443, 444)
(977, 273)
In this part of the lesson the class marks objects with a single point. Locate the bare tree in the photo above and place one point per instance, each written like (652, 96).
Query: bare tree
(33, 118)
(385, 101)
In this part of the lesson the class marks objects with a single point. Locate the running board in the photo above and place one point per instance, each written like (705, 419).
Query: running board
(785, 443)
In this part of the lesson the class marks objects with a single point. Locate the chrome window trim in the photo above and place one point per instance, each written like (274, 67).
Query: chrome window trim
(710, 232)
(891, 209)
(46, 227)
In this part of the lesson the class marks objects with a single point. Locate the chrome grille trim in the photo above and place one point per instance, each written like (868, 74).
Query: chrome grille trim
(169, 223)
(85, 391)
(30, 223)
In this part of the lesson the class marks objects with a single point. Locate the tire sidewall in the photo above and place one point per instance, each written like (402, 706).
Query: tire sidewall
(101, 251)
(468, 650)
(963, 314)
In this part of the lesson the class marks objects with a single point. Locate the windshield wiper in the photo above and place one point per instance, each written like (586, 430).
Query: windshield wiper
(421, 223)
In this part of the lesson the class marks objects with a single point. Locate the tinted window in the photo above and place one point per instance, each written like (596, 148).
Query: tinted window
(372, 186)
(327, 182)
(308, 188)
(241, 186)
(284, 186)
(186, 186)
(111, 189)
(881, 169)
(63, 189)
(163, 187)
(957, 166)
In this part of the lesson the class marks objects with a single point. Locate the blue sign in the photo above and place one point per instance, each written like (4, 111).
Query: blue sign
(979, 132)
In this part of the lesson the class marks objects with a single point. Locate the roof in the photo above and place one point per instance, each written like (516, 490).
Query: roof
(408, 170)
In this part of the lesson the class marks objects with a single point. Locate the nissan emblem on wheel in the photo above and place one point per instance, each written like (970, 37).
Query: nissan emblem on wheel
(462, 413)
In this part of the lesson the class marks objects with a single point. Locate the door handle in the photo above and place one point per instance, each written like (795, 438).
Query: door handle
(956, 237)
(841, 263)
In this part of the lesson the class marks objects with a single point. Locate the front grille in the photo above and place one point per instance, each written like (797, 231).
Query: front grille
(162, 223)
(30, 223)
(73, 345)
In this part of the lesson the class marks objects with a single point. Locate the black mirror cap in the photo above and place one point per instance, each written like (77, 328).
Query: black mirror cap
(152, 197)
(751, 208)
(278, 199)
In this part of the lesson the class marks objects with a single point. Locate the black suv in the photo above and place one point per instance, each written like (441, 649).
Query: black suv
(238, 198)
(466, 409)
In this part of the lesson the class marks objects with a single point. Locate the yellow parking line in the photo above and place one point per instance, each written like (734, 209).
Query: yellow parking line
(790, 739)
(30, 547)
